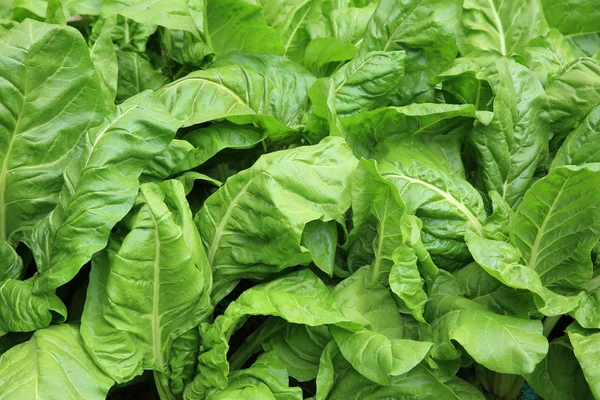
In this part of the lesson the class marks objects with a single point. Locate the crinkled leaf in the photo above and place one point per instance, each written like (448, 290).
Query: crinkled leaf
(52, 364)
(126, 334)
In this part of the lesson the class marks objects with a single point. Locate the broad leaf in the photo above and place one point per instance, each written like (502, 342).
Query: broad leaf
(247, 237)
(585, 344)
(49, 98)
(100, 188)
(52, 364)
(425, 30)
(498, 28)
(558, 223)
(447, 204)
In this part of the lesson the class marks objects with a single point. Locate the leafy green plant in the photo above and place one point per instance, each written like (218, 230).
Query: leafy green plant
(288, 199)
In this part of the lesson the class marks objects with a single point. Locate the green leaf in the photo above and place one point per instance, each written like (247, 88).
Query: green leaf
(49, 97)
(479, 331)
(338, 381)
(572, 17)
(323, 54)
(126, 334)
(300, 348)
(365, 130)
(579, 80)
(173, 14)
(100, 188)
(503, 261)
(168, 163)
(497, 28)
(288, 83)
(252, 226)
(368, 82)
(510, 148)
(447, 204)
(582, 145)
(24, 310)
(559, 375)
(547, 56)
(299, 298)
(557, 225)
(136, 74)
(378, 352)
(104, 56)
(322, 119)
(425, 30)
(55, 13)
(378, 215)
(289, 18)
(321, 239)
(477, 284)
(238, 26)
(238, 94)
(268, 374)
(52, 364)
(585, 346)
(12, 264)
(406, 282)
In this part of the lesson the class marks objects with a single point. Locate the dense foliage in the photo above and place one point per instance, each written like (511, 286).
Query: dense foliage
(287, 199)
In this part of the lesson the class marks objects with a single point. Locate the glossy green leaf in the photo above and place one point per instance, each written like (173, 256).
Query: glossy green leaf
(173, 14)
(104, 56)
(378, 215)
(323, 54)
(238, 26)
(125, 334)
(100, 188)
(547, 56)
(242, 211)
(289, 18)
(477, 284)
(321, 239)
(233, 92)
(52, 364)
(503, 261)
(425, 30)
(572, 17)
(582, 145)
(337, 380)
(557, 225)
(24, 311)
(168, 163)
(368, 82)
(322, 119)
(50, 97)
(498, 28)
(136, 74)
(268, 374)
(379, 351)
(280, 297)
(300, 348)
(406, 282)
(579, 81)
(515, 142)
(559, 375)
(447, 204)
(208, 141)
(586, 349)
(479, 331)
(12, 264)
(365, 130)
(286, 85)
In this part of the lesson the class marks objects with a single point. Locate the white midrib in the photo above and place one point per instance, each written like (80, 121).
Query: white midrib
(156, 330)
(540, 233)
(499, 28)
(473, 220)
(289, 41)
(219, 231)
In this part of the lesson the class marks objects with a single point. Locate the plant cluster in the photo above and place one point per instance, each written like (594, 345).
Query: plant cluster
(288, 199)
